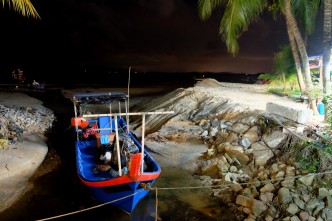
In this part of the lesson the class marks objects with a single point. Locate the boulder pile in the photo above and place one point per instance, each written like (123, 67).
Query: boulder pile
(16, 120)
(262, 177)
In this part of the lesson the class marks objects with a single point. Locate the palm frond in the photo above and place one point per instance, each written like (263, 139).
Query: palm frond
(306, 11)
(237, 17)
(23, 7)
(205, 7)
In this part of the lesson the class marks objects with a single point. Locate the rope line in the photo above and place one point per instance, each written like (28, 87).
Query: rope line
(246, 183)
(147, 186)
(90, 208)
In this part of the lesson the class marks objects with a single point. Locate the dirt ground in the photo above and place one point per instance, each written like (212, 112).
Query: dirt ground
(254, 96)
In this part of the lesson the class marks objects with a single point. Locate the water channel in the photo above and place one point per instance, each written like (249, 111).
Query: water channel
(55, 189)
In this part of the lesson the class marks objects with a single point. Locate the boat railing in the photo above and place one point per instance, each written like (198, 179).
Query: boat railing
(116, 115)
(127, 114)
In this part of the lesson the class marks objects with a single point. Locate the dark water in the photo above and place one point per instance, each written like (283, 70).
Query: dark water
(58, 191)
(105, 78)
(174, 80)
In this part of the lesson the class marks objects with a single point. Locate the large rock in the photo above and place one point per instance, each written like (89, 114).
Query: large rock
(238, 153)
(274, 139)
(284, 196)
(252, 134)
(261, 153)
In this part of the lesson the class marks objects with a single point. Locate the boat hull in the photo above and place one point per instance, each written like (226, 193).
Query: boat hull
(124, 191)
(125, 196)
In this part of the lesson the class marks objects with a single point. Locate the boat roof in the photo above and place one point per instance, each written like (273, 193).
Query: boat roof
(99, 97)
(315, 56)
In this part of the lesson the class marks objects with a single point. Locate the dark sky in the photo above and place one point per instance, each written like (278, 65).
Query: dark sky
(148, 35)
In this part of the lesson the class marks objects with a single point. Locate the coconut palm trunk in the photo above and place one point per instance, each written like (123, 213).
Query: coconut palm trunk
(296, 59)
(303, 53)
(327, 45)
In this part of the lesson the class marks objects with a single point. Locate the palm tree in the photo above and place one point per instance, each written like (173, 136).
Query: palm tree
(297, 60)
(239, 14)
(327, 45)
(306, 11)
(294, 30)
(23, 7)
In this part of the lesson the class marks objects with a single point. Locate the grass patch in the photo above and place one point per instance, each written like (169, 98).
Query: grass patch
(312, 157)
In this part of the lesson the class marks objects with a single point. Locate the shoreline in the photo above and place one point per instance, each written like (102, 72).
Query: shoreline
(177, 131)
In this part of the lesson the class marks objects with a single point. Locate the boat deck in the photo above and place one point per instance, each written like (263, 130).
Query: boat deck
(87, 162)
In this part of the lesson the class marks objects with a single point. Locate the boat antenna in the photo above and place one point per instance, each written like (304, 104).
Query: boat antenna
(128, 85)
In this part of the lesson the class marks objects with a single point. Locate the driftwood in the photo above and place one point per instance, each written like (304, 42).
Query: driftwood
(299, 136)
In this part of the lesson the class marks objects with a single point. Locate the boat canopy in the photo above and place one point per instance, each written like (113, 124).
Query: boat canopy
(99, 97)
(315, 57)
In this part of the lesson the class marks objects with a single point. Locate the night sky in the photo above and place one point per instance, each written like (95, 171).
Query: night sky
(148, 35)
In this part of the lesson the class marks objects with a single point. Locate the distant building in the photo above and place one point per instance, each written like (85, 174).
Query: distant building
(18, 76)
(316, 62)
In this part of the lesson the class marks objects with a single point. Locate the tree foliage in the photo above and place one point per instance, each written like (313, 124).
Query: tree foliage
(23, 7)
(237, 16)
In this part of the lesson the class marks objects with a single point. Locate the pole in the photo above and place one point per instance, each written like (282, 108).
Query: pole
(117, 144)
(143, 134)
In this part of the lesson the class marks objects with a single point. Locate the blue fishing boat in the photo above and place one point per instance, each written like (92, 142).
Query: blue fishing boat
(111, 161)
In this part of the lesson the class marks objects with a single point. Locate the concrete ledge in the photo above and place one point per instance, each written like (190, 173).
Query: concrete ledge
(300, 115)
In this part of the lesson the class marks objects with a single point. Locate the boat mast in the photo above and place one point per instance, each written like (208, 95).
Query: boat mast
(117, 137)
(127, 107)
(142, 142)
(111, 126)
(75, 111)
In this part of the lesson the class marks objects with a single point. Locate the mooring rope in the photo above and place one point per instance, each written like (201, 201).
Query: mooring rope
(147, 186)
(246, 183)
(156, 189)
(90, 208)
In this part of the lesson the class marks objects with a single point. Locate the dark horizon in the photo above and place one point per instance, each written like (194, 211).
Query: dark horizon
(94, 76)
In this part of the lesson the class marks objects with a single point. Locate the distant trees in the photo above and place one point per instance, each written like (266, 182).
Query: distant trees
(284, 68)
(23, 7)
(238, 15)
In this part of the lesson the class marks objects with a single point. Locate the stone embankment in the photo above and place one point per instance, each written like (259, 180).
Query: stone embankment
(248, 154)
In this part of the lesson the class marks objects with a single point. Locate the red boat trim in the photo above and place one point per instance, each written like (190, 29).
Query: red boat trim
(135, 166)
(121, 180)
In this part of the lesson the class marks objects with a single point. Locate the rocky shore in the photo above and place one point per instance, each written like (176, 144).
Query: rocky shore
(252, 158)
